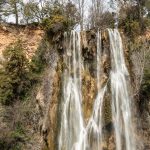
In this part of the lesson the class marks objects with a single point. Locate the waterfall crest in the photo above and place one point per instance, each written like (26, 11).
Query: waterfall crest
(76, 133)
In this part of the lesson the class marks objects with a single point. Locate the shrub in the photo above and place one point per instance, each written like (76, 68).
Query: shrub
(39, 60)
(146, 84)
(18, 134)
(132, 28)
(54, 24)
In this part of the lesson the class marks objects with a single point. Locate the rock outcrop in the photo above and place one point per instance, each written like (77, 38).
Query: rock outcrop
(30, 36)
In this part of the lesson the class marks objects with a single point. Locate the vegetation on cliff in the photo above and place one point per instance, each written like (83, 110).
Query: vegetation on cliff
(18, 86)
(60, 19)
(19, 75)
(14, 74)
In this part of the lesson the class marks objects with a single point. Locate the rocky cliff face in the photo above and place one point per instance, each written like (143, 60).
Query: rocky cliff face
(50, 128)
(30, 36)
(139, 52)
(19, 122)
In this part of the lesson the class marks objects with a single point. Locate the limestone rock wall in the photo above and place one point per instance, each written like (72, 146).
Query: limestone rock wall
(30, 36)
(89, 85)
(52, 112)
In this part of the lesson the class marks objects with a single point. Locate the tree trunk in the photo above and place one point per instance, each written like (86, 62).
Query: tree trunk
(16, 14)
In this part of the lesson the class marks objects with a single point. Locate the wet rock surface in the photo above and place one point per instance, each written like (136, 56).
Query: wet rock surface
(89, 88)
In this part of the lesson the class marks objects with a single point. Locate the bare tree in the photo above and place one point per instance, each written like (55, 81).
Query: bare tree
(12, 7)
(140, 61)
(97, 11)
(81, 7)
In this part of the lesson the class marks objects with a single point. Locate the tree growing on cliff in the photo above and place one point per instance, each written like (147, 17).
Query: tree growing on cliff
(81, 10)
(14, 74)
(133, 18)
(61, 18)
(12, 7)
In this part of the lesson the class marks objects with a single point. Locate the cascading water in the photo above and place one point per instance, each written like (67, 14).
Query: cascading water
(75, 134)
(98, 58)
(72, 126)
(94, 135)
(121, 108)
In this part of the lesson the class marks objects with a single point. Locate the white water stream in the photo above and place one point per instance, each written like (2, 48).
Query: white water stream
(74, 133)
(121, 102)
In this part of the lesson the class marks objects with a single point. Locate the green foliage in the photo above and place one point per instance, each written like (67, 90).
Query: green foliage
(33, 13)
(55, 23)
(144, 91)
(146, 84)
(18, 133)
(10, 144)
(18, 75)
(28, 10)
(132, 28)
(39, 60)
(107, 20)
(61, 18)
(133, 22)
(15, 79)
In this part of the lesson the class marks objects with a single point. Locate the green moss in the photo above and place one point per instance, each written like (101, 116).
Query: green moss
(107, 110)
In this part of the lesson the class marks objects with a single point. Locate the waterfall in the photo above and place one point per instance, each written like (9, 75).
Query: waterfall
(94, 135)
(94, 127)
(75, 134)
(72, 126)
(121, 107)
(98, 58)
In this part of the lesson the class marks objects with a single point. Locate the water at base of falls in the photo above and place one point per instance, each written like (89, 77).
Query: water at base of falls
(75, 134)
